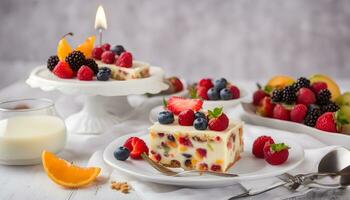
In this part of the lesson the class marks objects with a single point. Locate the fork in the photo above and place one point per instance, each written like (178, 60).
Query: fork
(168, 172)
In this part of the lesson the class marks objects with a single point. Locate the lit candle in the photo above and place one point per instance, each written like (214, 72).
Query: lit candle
(100, 21)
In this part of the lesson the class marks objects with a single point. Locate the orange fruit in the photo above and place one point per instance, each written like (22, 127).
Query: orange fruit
(63, 47)
(87, 46)
(331, 84)
(66, 174)
(280, 81)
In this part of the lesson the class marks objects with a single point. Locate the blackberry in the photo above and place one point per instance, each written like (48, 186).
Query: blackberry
(92, 64)
(75, 59)
(330, 107)
(52, 62)
(301, 82)
(312, 115)
(323, 97)
(288, 95)
(277, 95)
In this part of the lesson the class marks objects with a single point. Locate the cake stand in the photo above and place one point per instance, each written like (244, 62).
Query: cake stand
(94, 118)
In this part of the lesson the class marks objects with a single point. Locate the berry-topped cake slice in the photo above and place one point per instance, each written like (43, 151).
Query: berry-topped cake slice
(187, 138)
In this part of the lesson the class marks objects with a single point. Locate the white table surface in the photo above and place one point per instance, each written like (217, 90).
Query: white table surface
(31, 182)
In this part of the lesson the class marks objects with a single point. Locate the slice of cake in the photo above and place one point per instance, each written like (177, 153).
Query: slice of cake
(191, 141)
(138, 70)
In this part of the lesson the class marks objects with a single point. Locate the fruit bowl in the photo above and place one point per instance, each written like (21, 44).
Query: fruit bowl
(251, 117)
(94, 118)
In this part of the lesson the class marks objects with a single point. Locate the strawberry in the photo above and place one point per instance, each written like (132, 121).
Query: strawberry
(185, 141)
(265, 107)
(124, 60)
(259, 144)
(306, 96)
(276, 154)
(201, 152)
(63, 70)
(298, 113)
(206, 82)
(258, 96)
(186, 117)
(218, 121)
(331, 122)
(202, 92)
(107, 57)
(281, 113)
(176, 83)
(177, 104)
(318, 86)
(85, 73)
(136, 146)
(235, 91)
(105, 47)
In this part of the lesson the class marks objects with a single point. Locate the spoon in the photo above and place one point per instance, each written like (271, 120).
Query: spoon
(335, 161)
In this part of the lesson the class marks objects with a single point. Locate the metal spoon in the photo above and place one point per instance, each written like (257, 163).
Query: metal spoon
(334, 161)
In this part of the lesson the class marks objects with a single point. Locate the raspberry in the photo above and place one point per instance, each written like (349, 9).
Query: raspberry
(276, 154)
(97, 52)
(258, 96)
(85, 73)
(235, 91)
(202, 92)
(186, 117)
(281, 113)
(107, 57)
(306, 96)
(63, 70)
(206, 82)
(105, 47)
(124, 60)
(216, 168)
(259, 144)
(185, 141)
(218, 120)
(318, 86)
(298, 113)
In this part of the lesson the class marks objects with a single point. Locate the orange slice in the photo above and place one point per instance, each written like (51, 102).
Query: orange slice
(63, 47)
(87, 46)
(66, 174)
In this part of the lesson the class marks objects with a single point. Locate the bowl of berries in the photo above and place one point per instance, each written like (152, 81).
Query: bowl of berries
(311, 105)
(217, 93)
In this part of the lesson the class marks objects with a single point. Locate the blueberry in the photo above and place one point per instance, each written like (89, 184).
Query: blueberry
(106, 69)
(103, 75)
(213, 94)
(220, 84)
(200, 124)
(118, 49)
(199, 115)
(171, 138)
(225, 94)
(122, 153)
(166, 117)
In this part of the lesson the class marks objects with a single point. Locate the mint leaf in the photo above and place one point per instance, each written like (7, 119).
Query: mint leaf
(268, 89)
(165, 103)
(215, 113)
(193, 92)
(278, 147)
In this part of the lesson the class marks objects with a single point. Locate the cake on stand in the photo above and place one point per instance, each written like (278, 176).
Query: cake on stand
(94, 118)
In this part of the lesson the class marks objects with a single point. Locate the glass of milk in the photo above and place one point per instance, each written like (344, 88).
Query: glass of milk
(27, 127)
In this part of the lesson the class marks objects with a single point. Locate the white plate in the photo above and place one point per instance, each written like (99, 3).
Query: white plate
(248, 167)
(249, 116)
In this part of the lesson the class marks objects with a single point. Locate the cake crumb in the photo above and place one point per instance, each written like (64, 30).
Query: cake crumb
(123, 187)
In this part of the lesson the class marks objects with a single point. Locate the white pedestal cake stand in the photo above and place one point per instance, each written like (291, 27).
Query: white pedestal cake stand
(94, 118)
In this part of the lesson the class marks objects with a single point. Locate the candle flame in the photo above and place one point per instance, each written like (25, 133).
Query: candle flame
(100, 19)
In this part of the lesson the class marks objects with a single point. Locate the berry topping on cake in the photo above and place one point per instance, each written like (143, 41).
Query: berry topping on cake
(105, 47)
(225, 94)
(200, 123)
(258, 145)
(75, 60)
(199, 115)
(107, 57)
(92, 64)
(218, 121)
(206, 82)
(235, 91)
(176, 83)
(213, 94)
(63, 47)
(122, 153)
(298, 113)
(52, 62)
(281, 113)
(185, 141)
(186, 117)
(87, 46)
(118, 49)
(276, 154)
(63, 70)
(178, 104)
(136, 147)
(103, 74)
(201, 153)
(97, 53)
(85, 73)
(202, 92)
(124, 60)
(166, 117)
(306, 96)
(318, 86)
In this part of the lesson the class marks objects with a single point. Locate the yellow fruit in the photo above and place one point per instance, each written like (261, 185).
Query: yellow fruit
(66, 174)
(87, 46)
(63, 47)
(332, 85)
(280, 81)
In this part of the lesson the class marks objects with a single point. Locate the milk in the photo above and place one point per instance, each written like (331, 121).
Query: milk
(23, 138)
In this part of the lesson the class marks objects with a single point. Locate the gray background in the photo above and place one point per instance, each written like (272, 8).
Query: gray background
(246, 39)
